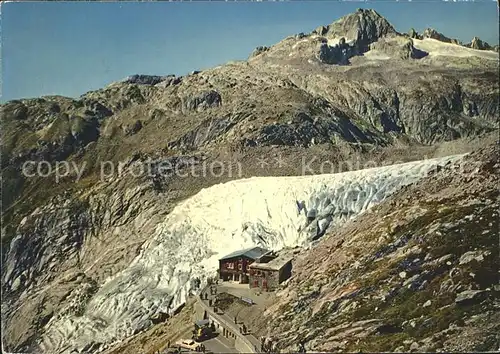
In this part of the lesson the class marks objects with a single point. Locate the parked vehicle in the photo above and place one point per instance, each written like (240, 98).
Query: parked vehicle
(202, 330)
(189, 344)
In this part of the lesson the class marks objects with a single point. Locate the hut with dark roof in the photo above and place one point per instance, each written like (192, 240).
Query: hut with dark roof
(234, 266)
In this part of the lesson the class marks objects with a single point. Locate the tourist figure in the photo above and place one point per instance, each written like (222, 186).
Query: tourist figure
(302, 348)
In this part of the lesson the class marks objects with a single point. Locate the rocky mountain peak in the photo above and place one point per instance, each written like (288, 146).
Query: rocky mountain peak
(352, 35)
(364, 26)
(413, 34)
(477, 43)
(433, 34)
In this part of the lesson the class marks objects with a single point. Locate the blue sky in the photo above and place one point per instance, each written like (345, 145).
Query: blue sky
(69, 48)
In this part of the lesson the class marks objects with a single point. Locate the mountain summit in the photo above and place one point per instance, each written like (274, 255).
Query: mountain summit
(363, 26)
(367, 32)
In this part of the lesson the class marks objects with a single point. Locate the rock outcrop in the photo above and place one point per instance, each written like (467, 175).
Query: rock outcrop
(477, 43)
(398, 47)
(259, 50)
(414, 34)
(337, 54)
(432, 33)
(145, 79)
(204, 100)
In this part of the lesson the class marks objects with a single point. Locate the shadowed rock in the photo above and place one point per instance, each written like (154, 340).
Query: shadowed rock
(205, 100)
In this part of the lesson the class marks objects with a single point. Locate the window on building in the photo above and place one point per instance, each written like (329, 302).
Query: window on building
(240, 266)
(230, 266)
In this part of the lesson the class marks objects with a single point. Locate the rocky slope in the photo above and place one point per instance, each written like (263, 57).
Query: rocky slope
(419, 272)
(355, 90)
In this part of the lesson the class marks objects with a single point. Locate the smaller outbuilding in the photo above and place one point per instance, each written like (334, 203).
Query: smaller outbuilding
(270, 270)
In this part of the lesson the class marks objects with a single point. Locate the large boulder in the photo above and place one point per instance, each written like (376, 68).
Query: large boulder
(469, 297)
(398, 47)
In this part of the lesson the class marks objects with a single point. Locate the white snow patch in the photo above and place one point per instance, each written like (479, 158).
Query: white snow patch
(438, 48)
(376, 55)
(218, 220)
(332, 42)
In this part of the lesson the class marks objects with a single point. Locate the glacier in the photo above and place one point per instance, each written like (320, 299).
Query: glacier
(272, 212)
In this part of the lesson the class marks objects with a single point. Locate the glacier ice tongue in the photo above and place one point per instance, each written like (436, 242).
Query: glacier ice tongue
(272, 212)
